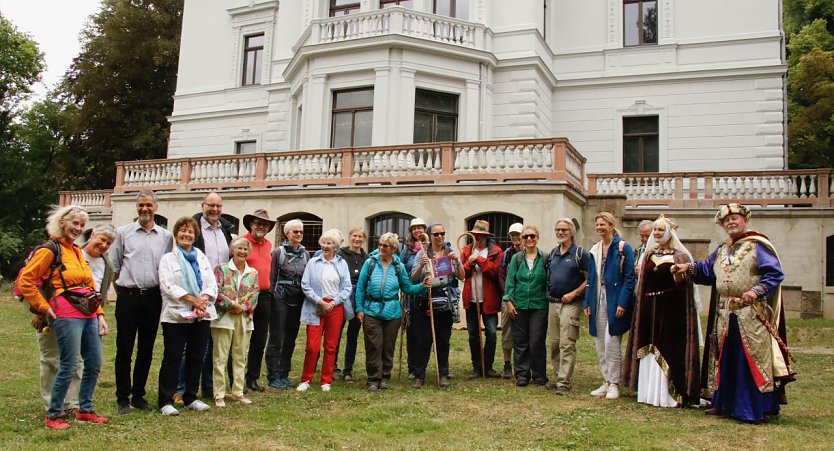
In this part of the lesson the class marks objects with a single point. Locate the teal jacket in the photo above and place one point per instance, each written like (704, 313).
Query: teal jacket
(382, 300)
(526, 288)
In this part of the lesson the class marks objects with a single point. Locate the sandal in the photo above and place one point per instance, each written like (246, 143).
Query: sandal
(348, 378)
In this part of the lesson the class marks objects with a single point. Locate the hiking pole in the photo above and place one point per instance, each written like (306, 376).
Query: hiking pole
(425, 247)
(475, 299)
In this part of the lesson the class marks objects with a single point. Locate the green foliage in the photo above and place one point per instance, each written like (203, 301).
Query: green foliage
(21, 64)
(123, 83)
(809, 25)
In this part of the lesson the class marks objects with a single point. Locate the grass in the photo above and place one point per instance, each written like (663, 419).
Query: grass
(472, 415)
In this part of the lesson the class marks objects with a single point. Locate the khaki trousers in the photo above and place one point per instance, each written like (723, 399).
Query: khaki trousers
(237, 340)
(563, 331)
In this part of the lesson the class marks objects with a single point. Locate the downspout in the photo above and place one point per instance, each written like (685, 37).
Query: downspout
(482, 102)
(783, 56)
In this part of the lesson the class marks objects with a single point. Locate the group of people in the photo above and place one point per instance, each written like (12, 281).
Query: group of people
(227, 304)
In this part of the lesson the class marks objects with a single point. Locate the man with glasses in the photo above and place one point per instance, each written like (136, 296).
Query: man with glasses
(568, 273)
(259, 225)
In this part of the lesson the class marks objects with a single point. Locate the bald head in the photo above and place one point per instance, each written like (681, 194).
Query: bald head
(212, 207)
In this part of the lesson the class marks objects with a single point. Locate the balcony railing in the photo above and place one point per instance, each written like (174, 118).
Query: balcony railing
(395, 21)
(450, 162)
(90, 200)
(812, 187)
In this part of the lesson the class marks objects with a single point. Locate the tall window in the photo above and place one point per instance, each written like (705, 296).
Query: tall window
(244, 147)
(641, 147)
(389, 3)
(499, 224)
(452, 8)
(435, 116)
(343, 7)
(639, 22)
(313, 227)
(388, 222)
(253, 55)
(353, 117)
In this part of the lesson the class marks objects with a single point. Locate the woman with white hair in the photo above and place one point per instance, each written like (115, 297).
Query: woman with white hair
(326, 286)
(237, 297)
(77, 326)
(661, 361)
(382, 278)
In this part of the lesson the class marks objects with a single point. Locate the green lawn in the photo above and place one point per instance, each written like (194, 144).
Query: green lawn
(472, 415)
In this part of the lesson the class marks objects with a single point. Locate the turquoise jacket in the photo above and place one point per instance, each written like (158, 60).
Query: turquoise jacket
(381, 299)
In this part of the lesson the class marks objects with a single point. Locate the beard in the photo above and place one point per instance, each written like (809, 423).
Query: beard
(562, 241)
(259, 234)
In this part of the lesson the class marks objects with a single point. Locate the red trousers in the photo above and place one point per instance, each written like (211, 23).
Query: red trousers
(329, 325)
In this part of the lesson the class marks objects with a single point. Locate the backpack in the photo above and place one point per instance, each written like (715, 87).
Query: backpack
(46, 288)
(286, 289)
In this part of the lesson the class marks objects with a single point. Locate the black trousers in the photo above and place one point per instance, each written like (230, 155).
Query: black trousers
(192, 338)
(282, 345)
(443, 332)
(261, 317)
(412, 331)
(137, 323)
(529, 332)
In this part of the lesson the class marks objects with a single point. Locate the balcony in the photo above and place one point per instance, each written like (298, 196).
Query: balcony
(799, 188)
(396, 21)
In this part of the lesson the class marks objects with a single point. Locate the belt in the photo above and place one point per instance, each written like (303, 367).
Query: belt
(732, 303)
(289, 282)
(553, 300)
(383, 300)
(136, 290)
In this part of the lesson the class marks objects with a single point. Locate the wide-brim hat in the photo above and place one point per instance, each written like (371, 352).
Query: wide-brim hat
(481, 227)
(258, 214)
(416, 222)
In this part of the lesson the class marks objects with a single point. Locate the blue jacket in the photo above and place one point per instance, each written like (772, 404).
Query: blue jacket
(619, 287)
(384, 305)
(311, 286)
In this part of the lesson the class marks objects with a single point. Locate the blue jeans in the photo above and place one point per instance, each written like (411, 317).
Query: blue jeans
(76, 336)
(490, 329)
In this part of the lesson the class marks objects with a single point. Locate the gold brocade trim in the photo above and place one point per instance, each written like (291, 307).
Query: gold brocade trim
(728, 260)
(664, 366)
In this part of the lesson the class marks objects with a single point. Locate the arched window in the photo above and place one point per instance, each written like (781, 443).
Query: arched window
(499, 224)
(387, 222)
(313, 227)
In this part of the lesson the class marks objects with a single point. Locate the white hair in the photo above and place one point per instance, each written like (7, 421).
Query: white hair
(332, 235)
(106, 229)
(570, 224)
(293, 224)
(391, 239)
(58, 213)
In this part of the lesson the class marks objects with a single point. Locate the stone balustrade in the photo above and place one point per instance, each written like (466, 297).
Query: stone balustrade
(452, 162)
(395, 21)
(811, 187)
(90, 200)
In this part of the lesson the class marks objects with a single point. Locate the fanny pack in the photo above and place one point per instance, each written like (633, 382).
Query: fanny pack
(85, 300)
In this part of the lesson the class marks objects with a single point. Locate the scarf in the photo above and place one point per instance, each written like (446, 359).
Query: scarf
(192, 279)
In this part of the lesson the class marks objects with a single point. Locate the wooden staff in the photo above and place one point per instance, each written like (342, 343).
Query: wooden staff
(403, 325)
(475, 296)
(425, 245)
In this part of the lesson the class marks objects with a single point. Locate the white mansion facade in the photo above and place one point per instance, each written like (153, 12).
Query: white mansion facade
(635, 85)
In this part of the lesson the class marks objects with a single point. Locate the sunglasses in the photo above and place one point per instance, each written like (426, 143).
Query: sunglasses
(562, 230)
(384, 245)
(529, 236)
(438, 234)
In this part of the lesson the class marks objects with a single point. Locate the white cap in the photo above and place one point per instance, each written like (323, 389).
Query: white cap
(416, 222)
(515, 228)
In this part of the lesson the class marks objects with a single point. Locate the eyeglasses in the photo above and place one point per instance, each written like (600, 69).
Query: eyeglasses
(438, 234)
(296, 231)
(384, 245)
(529, 236)
(260, 224)
(562, 230)
(214, 205)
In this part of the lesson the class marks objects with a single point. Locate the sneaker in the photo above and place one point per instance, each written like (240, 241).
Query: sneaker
(169, 411)
(411, 376)
(444, 382)
(277, 384)
(562, 390)
(89, 417)
(242, 399)
(123, 408)
(57, 424)
(198, 405)
(613, 391)
(417, 383)
(493, 374)
(302, 387)
(383, 384)
(287, 382)
(373, 387)
(220, 402)
(141, 404)
(178, 399)
(601, 391)
(325, 387)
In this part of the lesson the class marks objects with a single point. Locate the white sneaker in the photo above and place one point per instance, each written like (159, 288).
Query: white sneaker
(242, 399)
(613, 391)
(220, 402)
(169, 411)
(325, 387)
(601, 391)
(198, 405)
(302, 387)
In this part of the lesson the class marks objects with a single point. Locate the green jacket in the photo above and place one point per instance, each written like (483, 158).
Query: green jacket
(526, 288)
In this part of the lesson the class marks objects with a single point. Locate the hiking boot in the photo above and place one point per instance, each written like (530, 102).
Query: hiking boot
(417, 383)
(383, 384)
(444, 382)
(372, 387)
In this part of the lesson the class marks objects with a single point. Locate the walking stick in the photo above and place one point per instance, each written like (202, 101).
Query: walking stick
(403, 325)
(477, 304)
(425, 248)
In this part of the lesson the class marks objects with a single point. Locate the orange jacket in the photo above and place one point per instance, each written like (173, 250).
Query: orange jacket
(76, 272)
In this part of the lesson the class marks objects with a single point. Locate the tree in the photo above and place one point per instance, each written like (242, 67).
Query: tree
(123, 83)
(809, 25)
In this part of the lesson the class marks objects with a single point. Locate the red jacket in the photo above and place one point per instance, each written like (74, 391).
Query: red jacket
(490, 267)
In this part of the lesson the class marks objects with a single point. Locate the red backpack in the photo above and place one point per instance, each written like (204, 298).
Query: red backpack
(44, 286)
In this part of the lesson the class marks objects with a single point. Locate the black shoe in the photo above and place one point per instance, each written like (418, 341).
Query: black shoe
(474, 375)
(141, 404)
(521, 382)
(542, 382)
(253, 385)
(124, 408)
(508, 371)
(493, 374)
(450, 376)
